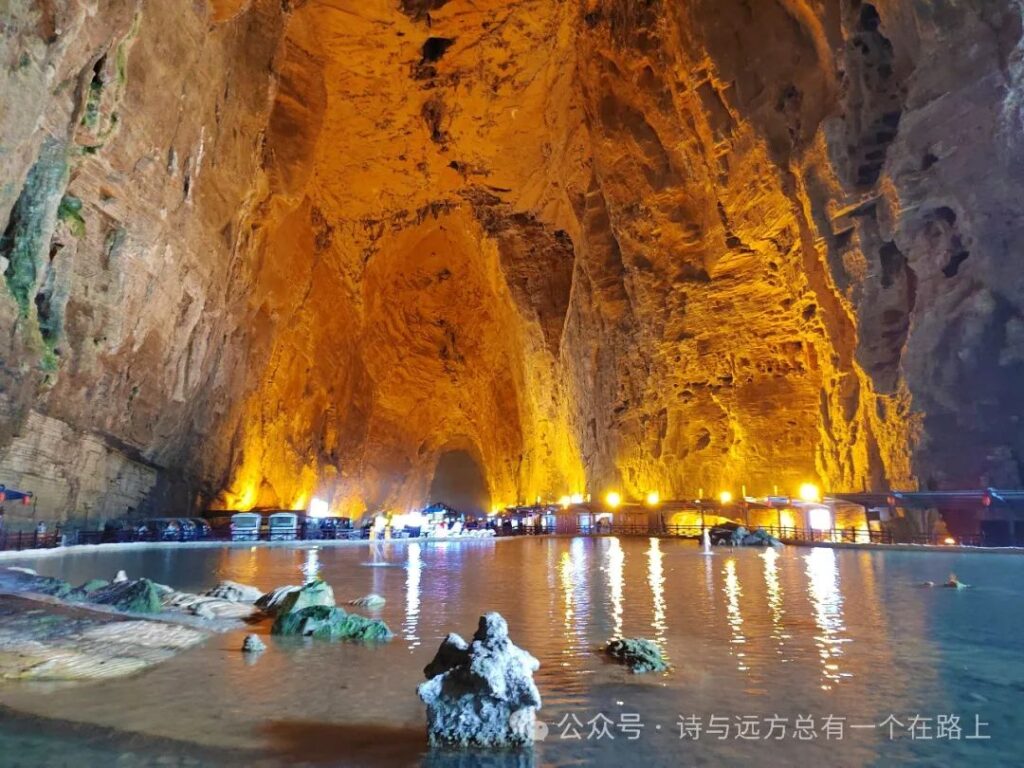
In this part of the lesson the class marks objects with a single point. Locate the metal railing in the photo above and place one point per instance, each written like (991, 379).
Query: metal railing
(19, 540)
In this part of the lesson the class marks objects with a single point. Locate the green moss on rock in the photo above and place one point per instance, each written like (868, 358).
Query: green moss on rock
(26, 240)
(70, 212)
(637, 653)
(138, 596)
(330, 623)
(313, 593)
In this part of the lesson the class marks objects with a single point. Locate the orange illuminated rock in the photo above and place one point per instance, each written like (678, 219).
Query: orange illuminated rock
(262, 252)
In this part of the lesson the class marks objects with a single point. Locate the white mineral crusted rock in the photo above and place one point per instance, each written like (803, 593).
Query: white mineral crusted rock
(121, 576)
(253, 644)
(235, 592)
(481, 694)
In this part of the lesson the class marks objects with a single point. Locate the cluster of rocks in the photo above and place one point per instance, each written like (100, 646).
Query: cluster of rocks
(310, 611)
(307, 610)
(741, 537)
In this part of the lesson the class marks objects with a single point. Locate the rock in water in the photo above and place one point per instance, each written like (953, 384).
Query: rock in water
(638, 654)
(120, 577)
(289, 599)
(235, 592)
(253, 644)
(369, 601)
(139, 596)
(330, 623)
(481, 694)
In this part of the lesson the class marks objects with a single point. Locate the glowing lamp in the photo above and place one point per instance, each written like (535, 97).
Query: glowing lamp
(819, 518)
(318, 508)
(576, 498)
(949, 540)
(809, 492)
(613, 499)
(564, 502)
(653, 498)
(25, 500)
(725, 497)
(3, 497)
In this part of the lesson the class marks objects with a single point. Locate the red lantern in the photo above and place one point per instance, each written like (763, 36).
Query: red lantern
(3, 497)
(25, 500)
(986, 500)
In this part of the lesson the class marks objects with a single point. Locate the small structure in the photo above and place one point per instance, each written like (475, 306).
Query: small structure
(283, 526)
(245, 526)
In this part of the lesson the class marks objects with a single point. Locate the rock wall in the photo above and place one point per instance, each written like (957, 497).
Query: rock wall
(276, 250)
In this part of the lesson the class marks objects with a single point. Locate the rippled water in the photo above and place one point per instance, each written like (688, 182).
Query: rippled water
(758, 640)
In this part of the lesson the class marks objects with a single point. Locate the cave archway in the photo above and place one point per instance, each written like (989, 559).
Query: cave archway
(459, 482)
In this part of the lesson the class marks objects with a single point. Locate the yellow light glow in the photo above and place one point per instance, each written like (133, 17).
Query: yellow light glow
(564, 502)
(725, 497)
(576, 498)
(318, 508)
(496, 509)
(613, 499)
(653, 498)
(810, 492)
(819, 518)
(950, 540)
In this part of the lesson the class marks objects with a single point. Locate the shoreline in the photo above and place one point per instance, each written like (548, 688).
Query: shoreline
(16, 554)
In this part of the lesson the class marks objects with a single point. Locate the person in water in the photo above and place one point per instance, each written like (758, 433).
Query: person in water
(952, 582)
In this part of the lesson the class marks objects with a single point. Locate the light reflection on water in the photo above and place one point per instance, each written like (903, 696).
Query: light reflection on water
(656, 579)
(857, 637)
(413, 572)
(774, 588)
(827, 601)
(733, 593)
(615, 557)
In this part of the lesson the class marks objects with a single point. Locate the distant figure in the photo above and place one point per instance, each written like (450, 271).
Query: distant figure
(954, 583)
(41, 529)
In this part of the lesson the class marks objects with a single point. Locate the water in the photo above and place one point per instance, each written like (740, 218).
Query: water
(752, 635)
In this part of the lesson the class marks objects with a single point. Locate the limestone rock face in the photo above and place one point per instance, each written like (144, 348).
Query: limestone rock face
(257, 251)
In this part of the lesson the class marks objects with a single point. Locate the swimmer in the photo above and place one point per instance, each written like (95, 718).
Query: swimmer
(954, 583)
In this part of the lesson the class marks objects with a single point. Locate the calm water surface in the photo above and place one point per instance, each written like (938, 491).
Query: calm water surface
(844, 644)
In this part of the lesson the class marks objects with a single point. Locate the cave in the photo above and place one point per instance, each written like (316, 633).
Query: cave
(612, 246)
(678, 338)
(459, 483)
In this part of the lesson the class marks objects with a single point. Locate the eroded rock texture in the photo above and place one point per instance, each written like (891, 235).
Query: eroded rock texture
(257, 251)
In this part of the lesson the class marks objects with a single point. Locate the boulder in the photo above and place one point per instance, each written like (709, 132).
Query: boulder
(270, 602)
(253, 644)
(368, 601)
(138, 596)
(207, 607)
(291, 599)
(330, 623)
(637, 653)
(235, 592)
(761, 538)
(481, 694)
(22, 580)
(120, 577)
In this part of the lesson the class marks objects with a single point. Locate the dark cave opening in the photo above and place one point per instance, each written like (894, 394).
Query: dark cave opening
(460, 483)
